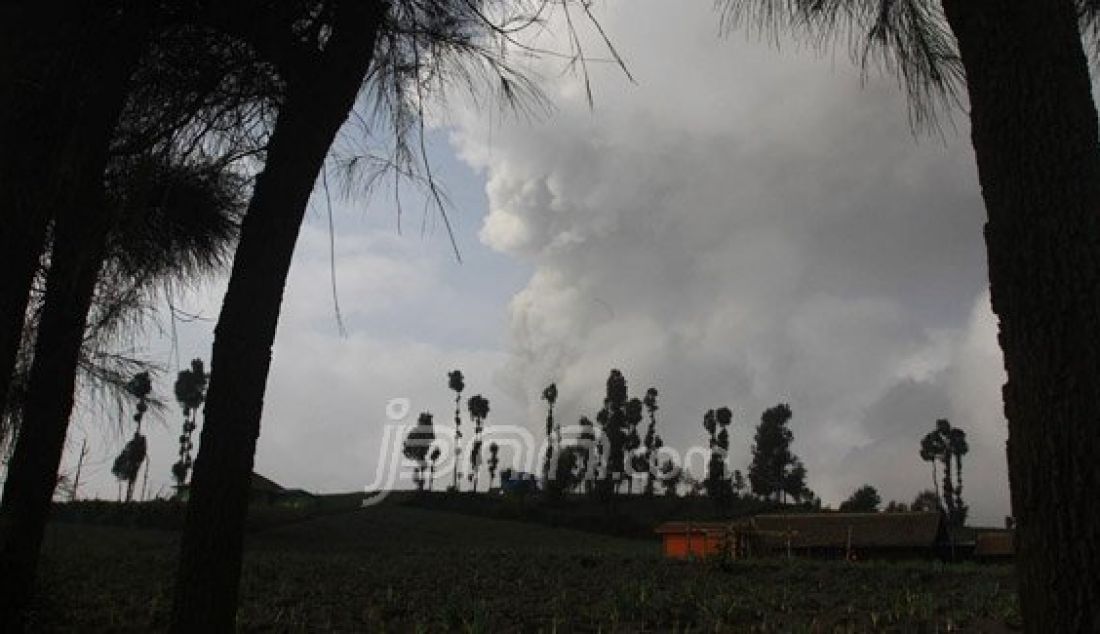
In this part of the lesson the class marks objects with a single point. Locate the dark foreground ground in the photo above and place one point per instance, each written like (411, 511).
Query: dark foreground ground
(397, 568)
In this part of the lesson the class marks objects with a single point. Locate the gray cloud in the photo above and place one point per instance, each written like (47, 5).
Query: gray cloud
(742, 227)
(748, 226)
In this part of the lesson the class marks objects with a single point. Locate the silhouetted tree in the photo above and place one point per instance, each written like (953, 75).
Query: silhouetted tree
(457, 383)
(865, 499)
(599, 470)
(322, 52)
(794, 482)
(190, 392)
(128, 463)
(716, 423)
(550, 395)
(652, 441)
(957, 448)
(897, 507)
(124, 224)
(434, 458)
(612, 421)
(1033, 120)
(586, 440)
(417, 444)
(927, 500)
(479, 410)
(102, 167)
(738, 483)
(948, 445)
(933, 448)
(568, 471)
(775, 471)
(671, 476)
(631, 443)
(494, 461)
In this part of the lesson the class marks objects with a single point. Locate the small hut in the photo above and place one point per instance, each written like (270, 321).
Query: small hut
(693, 540)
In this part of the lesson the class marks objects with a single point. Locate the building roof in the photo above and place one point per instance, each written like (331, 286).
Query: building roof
(261, 484)
(694, 527)
(881, 530)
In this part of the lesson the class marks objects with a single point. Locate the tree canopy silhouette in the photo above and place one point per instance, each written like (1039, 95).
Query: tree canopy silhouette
(417, 445)
(775, 472)
(865, 499)
(947, 445)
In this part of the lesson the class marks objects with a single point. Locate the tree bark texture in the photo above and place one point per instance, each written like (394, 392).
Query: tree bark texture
(321, 92)
(1034, 131)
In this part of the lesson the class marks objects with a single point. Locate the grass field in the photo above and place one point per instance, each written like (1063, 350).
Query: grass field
(398, 568)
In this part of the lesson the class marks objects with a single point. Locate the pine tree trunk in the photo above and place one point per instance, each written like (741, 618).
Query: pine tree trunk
(948, 489)
(37, 49)
(1034, 131)
(936, 482)
(320, 95)
(458, 437)
(78, 249)
(32, 472)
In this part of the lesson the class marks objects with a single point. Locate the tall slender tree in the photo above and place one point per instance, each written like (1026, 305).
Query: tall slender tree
(1034, 129)
(947, 444)
(94, 279)
(550, 395)
(613, 425)
(109, 58)
(774, 469)
(716, 423)
(128, 463)
(433, 457)
(586, 440)
(652, 441)
(417, 444)
(55, 65)
(404, 49)
(190, 391)
(493, 462)
(737, 482)
(632, 441)
(322, 78)
(308, 42)
(124, 156)
(457, 383)
(958, 447)
(933, 449)
(479, 410)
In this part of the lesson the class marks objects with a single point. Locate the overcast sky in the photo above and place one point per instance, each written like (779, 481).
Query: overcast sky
(742, 226)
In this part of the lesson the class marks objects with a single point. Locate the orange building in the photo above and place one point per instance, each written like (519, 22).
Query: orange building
(693, 540)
